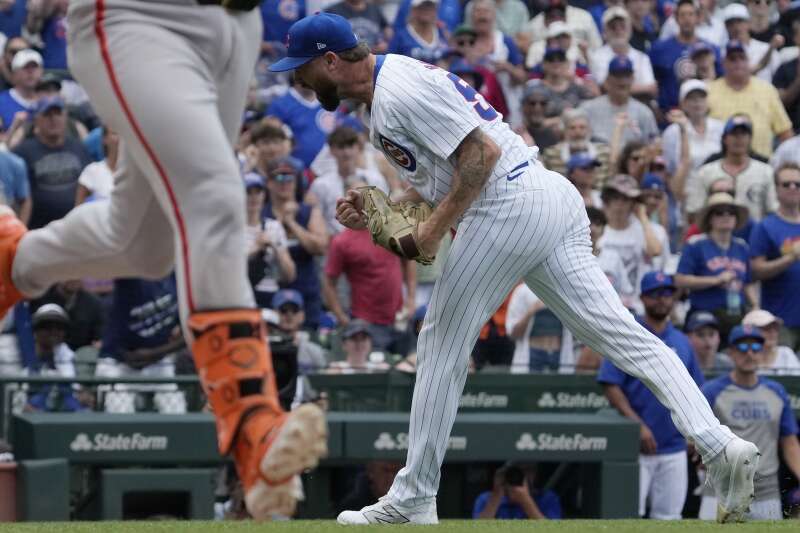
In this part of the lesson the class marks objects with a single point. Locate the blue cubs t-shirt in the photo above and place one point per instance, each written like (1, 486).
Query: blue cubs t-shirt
(310, 124)
(278, 15)
(703, 257)
(671, 66)
(407, 43)
(772, 238)
(143, 315)
(644, 402)
(54, 35)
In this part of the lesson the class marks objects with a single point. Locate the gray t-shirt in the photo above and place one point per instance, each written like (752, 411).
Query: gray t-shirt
(762, 414)
(641, 121)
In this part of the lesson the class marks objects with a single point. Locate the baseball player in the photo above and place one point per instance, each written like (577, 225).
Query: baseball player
(514, 219)
(170, 77)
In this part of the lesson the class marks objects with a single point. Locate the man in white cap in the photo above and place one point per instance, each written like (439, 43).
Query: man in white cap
(763, 62)
(776, 358)
(704, 133)
(26, 71)
(617, 32)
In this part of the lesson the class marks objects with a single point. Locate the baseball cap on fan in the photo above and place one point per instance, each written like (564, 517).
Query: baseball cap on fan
(23, 58)
(312, 37)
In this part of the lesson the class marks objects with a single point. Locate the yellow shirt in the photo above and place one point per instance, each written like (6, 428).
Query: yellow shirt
(760, 101)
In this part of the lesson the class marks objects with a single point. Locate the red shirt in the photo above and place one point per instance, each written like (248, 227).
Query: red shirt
(374, 274)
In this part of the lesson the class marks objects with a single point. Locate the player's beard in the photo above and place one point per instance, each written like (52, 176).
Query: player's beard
(328, 97)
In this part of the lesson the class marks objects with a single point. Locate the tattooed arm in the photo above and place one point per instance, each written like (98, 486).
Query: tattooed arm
(475, 158)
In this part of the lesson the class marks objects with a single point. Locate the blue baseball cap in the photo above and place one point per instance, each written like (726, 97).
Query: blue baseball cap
(700, 47)
(737, 121)
(652, 182)
(620, 65)
(657, 280)
(251, 179)
(581, 160)
(701, 319)
(287, 296)
(312, 37)
(735, 46)
(47, 103)
(745, 332)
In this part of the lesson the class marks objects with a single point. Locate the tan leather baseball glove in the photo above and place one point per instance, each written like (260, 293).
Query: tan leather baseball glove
(393, 225)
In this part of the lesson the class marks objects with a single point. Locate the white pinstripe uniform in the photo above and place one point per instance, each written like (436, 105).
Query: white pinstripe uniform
(527, 223)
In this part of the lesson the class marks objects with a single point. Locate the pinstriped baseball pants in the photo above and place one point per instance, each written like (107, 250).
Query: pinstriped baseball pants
(539, 233)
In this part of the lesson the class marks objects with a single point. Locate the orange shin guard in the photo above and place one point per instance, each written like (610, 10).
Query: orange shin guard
(235, 368)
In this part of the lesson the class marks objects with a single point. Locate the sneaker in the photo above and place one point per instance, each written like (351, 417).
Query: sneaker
(731, 475)
(301, 439)
(387, 512)
(11, 231)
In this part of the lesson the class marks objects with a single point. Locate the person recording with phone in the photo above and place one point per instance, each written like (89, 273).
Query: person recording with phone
(514, 495)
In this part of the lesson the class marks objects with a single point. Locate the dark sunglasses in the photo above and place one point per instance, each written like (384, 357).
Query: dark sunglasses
(282, 178)
(745, 346)
(790, 185)
(288, 309)
(533, 103)
(556, 58)
(759, 2)
(465, 42)
(722, 211)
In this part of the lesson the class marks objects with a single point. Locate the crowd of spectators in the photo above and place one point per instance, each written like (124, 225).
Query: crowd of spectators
(674, 120)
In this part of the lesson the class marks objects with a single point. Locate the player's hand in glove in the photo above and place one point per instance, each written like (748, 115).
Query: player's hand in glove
(399, 227)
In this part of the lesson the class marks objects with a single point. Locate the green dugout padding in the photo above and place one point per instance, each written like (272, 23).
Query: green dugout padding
(607, 443)
(486, 392)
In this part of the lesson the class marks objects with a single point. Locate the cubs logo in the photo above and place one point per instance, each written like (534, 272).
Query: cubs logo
(398, 154)
(684, 68)
(289, 10)
(326, 120)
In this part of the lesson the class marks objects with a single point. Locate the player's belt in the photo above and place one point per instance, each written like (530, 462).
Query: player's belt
(237, 5)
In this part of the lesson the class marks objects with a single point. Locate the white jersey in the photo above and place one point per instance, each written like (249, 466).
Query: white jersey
(421, 113)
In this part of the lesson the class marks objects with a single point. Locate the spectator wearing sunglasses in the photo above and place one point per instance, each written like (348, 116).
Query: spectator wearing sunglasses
(758, 409)
(775, 247)
(753, 179)
(776, 359)
(305, 231)
(715, 265)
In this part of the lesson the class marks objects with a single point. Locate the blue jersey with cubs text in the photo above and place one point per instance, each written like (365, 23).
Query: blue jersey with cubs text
(703, 257)
(772, 238)
(278, 15)
(310, 124)
(143, 315)
(671, 66)
(643, 402)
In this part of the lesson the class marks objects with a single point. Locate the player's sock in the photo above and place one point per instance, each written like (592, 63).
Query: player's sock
(11, 231)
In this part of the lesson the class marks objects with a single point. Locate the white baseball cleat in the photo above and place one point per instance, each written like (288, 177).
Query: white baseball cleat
(387, 512)
(731, 475)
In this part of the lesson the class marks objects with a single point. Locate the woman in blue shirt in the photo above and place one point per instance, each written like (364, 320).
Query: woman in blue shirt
(715, 265)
